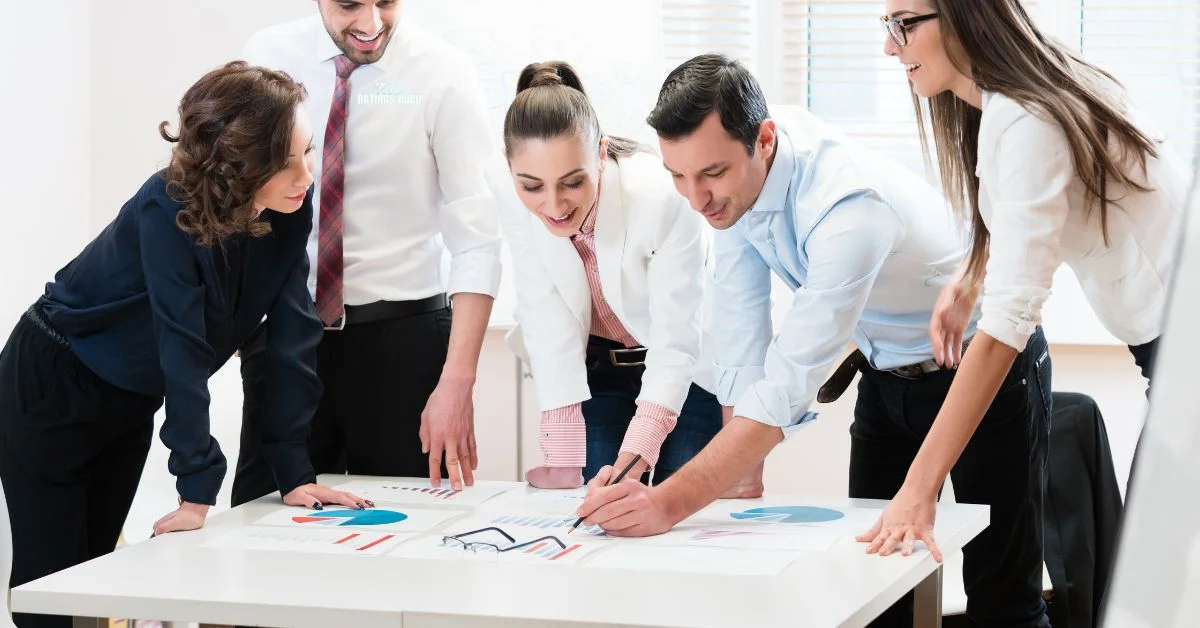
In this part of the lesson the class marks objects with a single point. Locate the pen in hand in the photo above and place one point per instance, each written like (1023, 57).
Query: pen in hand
(620, 476)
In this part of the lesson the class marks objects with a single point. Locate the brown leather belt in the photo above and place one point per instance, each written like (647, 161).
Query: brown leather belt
(856, 361)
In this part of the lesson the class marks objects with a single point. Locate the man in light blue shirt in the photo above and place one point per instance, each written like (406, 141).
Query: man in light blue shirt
(872, 256)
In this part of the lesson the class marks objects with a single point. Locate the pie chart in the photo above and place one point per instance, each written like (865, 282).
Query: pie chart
(789, 514)
(372, 517)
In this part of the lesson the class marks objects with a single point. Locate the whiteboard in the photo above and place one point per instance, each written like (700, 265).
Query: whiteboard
(1156, 581)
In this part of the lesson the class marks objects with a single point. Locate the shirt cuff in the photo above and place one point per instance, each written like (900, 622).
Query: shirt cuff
(564, 437)
(732, 382)
(647, 431)
(767, 403)
(202, 487)
(476, 271)
(1012, 315)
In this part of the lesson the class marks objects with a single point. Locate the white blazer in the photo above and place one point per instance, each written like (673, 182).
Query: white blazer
(1035, 208)
(652, 253)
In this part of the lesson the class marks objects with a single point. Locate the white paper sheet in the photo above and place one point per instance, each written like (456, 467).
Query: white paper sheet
(748, 535)
(309, 540)
(395, 519)
(789, 512)
(422, 493)
(566, 551)
(561, 502)
(621, 555)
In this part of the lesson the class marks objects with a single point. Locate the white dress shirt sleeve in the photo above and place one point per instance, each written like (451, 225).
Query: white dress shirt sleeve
(676, 277)
(846, 251)
(1030, 206)
(741, 308)
(461, 142)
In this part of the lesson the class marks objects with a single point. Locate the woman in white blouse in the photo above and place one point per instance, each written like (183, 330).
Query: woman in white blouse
(610, 268)
(1052, 165)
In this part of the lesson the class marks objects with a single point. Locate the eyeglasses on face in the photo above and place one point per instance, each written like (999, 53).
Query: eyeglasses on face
(899, 27)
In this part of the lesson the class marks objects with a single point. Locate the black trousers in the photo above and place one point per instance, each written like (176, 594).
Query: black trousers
(377, 377)
(1143, 356)
(72, 448)
(1002, 466)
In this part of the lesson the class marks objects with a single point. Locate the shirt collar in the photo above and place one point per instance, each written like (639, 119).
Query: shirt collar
(589, 224)
(779, 177)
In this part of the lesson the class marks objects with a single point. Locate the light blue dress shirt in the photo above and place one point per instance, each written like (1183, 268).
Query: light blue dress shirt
(866, 247)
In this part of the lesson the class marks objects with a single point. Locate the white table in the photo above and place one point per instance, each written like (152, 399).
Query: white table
(174, 578)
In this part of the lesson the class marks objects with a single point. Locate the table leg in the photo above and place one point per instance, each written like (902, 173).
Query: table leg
(927, 605)
(87, 622)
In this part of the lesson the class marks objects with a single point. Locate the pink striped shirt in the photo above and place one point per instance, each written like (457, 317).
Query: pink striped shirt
(563, 432)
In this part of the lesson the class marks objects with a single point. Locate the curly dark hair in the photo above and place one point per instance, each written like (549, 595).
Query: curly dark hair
(235, 131)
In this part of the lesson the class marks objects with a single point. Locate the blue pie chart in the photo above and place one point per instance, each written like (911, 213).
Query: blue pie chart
(370, 517)
(789, 514)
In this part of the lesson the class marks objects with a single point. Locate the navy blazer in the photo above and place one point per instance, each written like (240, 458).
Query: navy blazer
(150, 311)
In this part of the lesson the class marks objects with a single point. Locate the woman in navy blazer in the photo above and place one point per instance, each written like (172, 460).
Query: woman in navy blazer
(150, 309)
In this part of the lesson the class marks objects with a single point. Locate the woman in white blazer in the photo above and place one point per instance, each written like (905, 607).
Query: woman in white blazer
(610, 270)
(1052, 165)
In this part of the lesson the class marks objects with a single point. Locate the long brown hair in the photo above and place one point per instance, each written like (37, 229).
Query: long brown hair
(1007, 54)
(551, 102)
(235, 133)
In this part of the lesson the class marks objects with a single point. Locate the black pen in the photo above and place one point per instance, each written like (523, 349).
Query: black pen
(620, 476)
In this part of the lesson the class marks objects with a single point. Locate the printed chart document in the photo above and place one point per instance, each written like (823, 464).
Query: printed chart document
(396, 519)
(747, 536)
(422, 493)
(784, 512)
(559, 501)
(482, 539)
(716, 560)
(309, 540)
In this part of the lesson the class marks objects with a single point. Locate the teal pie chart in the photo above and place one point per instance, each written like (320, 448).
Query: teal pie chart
(789, 514)
(372, 517)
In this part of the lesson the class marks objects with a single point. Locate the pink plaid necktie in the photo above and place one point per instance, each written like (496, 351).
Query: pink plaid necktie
(329, 244)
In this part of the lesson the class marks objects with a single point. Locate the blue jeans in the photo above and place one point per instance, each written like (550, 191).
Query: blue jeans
(613, 403)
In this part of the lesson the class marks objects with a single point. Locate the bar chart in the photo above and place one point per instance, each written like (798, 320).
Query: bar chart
(545, 523)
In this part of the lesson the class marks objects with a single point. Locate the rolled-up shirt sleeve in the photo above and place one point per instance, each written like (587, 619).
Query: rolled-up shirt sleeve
(461, 142)
(741, 324)
(845, 251)
(1029, 210)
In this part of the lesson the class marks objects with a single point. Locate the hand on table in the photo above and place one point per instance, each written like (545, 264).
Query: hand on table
(188, 516)
(907, 518)
(448, 426)
(316, 496)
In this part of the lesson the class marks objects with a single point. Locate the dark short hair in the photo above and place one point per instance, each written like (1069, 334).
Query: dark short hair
(235, 133)
(707, 83)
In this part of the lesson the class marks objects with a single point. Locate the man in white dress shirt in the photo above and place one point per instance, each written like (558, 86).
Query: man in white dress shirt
(401, 135)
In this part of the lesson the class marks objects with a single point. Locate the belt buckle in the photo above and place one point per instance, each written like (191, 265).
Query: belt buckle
(341, 323)
(612, 357)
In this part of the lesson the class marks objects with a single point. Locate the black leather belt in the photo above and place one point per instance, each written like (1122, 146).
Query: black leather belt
(387, 310)
(856, 361)
(42, 322)
(607, 352)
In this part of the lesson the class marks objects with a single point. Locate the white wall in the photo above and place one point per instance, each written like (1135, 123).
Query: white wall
(44, 173)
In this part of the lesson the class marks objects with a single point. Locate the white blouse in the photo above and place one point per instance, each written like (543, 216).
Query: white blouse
(1035, 208)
